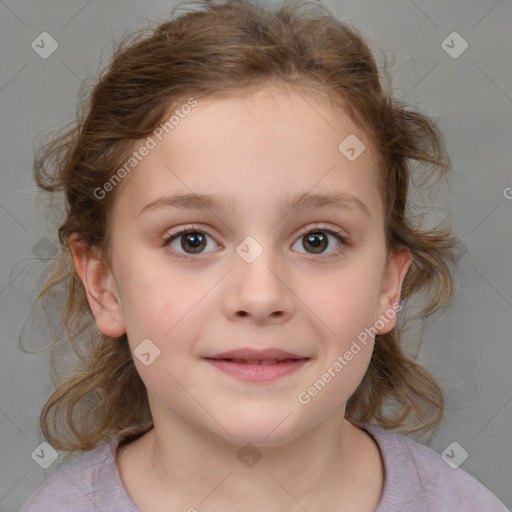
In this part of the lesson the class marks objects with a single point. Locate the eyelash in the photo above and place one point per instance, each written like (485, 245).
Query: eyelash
(314, 229)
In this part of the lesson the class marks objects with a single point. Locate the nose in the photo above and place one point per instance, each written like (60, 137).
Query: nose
(259, 290)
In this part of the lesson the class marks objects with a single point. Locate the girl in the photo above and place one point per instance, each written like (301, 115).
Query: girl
(237, 231)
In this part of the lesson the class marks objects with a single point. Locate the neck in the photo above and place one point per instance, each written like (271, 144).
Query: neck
(195, 468)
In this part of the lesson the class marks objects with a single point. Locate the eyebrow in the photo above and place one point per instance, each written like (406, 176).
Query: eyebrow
(191, 201)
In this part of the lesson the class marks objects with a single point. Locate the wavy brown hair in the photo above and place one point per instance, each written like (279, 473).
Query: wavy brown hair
(223, 49)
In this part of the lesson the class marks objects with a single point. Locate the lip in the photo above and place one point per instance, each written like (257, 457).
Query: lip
(259, 366)
(260, 355)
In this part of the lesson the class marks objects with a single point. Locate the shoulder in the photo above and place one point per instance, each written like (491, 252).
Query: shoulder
(418, 478)
(89, 483)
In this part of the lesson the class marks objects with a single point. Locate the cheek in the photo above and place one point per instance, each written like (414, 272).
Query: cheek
(164, 306)
(157, 311)
(347, 308)
(347, 303)
(162, 318)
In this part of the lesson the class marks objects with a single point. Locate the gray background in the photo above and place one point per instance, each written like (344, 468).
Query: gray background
(468, 348)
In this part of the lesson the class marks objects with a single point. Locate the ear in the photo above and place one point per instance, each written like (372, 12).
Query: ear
(100, 287)
(397, 267)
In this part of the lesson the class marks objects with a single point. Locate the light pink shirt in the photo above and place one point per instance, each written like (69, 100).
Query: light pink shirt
(417, 479)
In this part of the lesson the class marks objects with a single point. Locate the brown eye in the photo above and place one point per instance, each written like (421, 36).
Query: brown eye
(195, 240)
(188, 242)
(317, 241)
(321, 241)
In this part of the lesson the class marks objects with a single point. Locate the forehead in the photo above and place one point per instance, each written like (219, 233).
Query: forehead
(264, 145)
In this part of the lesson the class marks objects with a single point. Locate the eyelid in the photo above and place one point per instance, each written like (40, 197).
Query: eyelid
(170, 236)
(187, 227)
(306, 229)
(327, 228)
(322, 226)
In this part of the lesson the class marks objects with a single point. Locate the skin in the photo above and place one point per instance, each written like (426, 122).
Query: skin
(260, 149)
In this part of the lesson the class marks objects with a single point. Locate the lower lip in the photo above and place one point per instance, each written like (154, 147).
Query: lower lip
(258, 372)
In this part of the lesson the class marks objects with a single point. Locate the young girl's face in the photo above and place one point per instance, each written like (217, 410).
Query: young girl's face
(250, 277)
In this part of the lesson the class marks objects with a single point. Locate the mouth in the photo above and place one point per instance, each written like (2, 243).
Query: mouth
(257, 365)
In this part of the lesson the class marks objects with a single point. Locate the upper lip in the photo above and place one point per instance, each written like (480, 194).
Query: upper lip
(257, 355)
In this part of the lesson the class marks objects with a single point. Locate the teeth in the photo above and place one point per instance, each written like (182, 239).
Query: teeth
(264, 362)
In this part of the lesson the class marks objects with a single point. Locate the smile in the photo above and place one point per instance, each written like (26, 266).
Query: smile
(257, 366)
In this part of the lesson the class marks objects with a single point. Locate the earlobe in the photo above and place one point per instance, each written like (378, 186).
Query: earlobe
(100, 287)
(396, 271)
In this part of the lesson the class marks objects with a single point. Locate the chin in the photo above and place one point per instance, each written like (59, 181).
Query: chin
(260, 429)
